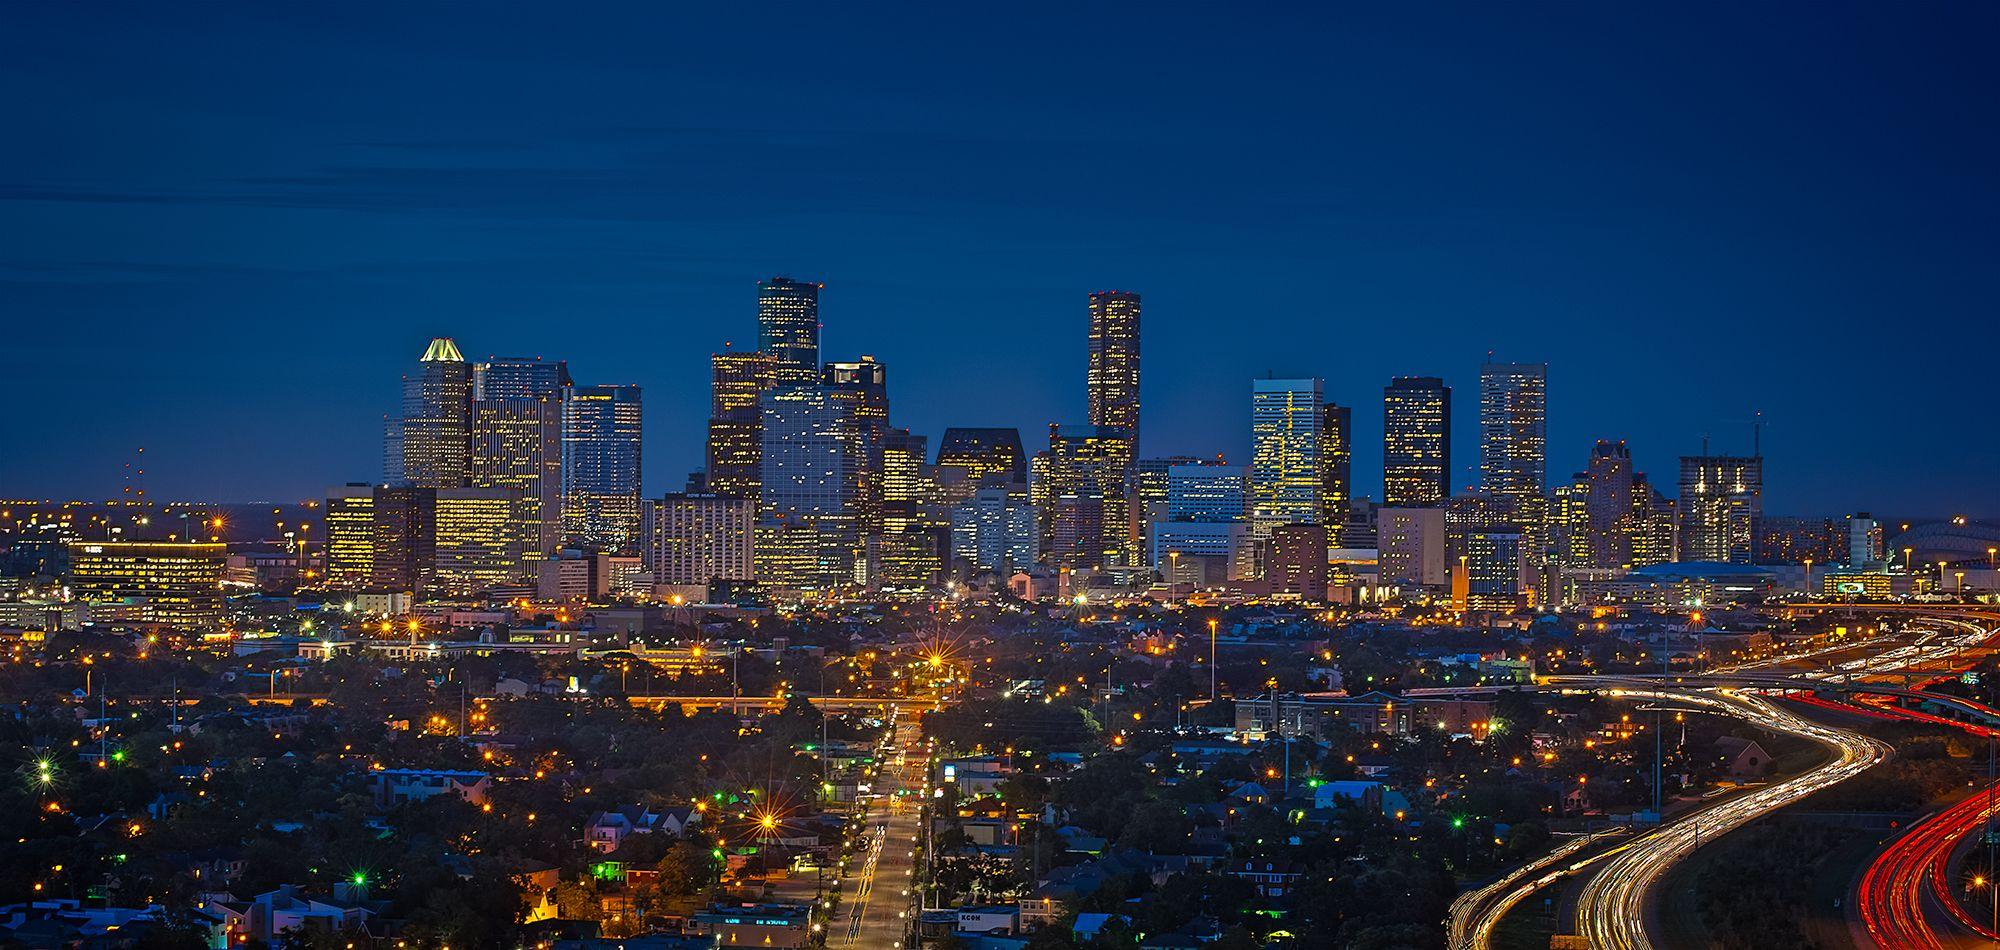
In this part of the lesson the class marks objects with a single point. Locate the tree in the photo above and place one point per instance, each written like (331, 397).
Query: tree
(688, 868)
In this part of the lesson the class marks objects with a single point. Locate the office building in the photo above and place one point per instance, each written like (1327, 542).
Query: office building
(1287, 474)
(1205, 553)
(699, 538)
(1336, 459)
(995, 531)
(863, 385)
(517, 444)
(909, 488)
(813, 469)
(405, 538)
(1793, 540)
(788, 329)
(1494, 564)
(1864, 541)
(1513, 432)
(520, 377)
(1112, 380)
(477, 544)
(1722, 497)
(1210, 493)
(170, 584)
(349, 521)
(601, 467)
(1089, 466)
(1296, 565)
(737, 380)
(984, 454)
(1416, 442)
(429, 441)
(1411, 547)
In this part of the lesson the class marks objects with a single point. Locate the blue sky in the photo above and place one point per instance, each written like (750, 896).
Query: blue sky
(229, 226)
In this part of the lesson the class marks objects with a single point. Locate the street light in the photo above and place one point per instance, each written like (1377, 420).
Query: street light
(1211, 659)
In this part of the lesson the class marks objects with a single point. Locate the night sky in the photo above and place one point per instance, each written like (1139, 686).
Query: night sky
(228, 228)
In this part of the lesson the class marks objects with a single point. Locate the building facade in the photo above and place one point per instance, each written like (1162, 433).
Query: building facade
(601, 441)
(1416, 442)
(699, 538)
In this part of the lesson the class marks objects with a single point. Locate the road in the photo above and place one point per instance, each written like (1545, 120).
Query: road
(1476, 913)
(1611, 912)
(875, 901)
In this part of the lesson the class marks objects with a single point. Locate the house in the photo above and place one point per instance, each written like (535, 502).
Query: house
(1273, 877)
(1367, 795)
(607, 830)
(1250, 793)
(1742, 758)
(397, 786)
(1090, 926)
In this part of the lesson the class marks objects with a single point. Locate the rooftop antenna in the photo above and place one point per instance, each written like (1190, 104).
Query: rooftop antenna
(1704, 444)
(1757, 434)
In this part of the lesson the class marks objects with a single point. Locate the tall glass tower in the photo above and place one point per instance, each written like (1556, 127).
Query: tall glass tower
(1286, 442)
(600, 466)
(429, 442)
(1416, 442)
(788, 329)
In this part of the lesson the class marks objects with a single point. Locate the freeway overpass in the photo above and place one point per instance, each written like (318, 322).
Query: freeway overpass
(831, 704)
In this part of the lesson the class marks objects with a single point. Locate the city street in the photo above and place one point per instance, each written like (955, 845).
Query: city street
(875, 898)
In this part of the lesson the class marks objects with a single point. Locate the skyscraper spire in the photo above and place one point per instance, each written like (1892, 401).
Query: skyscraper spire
(443, 350)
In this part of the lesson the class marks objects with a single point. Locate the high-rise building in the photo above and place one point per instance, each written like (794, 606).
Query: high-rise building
(738, 380)
(909, 489)
(520, 377)
(864, 386)
(429, 441)
(813, 499)
(1864, 541)
(1336, 459)
(1090, 466)
(696, 539)
(1287, 439)
(1411, 546)
(1792, 540)
(1513, 431)
(995, 530)
(477, 542)
(788, 329)
(1207, 493)
(1113, 376)
(1494, 563)
(350, 537)
(405, 538)
(601, 467)
(984, 454)
(1416, 442)
(1296, 567)
(517, 444)
(169, 583)
(1722, 497)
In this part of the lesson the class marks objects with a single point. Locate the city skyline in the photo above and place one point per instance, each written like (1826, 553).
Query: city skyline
(624, 231)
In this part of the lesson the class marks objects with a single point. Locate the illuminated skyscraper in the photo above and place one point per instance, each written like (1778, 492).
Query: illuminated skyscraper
(520, 377)
(1416, 442)
(1113, 376)
(788, 329)
(1513, 434)
(350, 537)
(172, 584)
(1336, 459)
(811, 507)
(1207, 493)
(995, 530)
(517, 443)
(909, 493)
(405, 538)
(735, 424)
(1287, 437)
(864, 385)
(1089, 521)
(984, 454)
(601, 467)
(698, 538)
(477, 543)
(1721, 499)
(429, 441)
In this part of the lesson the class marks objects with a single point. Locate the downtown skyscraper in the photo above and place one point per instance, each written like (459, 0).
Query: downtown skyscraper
(1416, 442)
(429, 441)
(788, 329)
(1112, 380)
(735, 425)
(1287, 452)
(1722, 497)
(1513, 432)
(601, 467)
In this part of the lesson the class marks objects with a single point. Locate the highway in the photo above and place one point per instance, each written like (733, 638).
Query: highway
(1476, 913)
(875, 901)
(1611, 912)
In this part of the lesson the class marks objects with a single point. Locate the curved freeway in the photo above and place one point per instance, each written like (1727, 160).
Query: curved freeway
(1476, 913)
(1611, 912)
